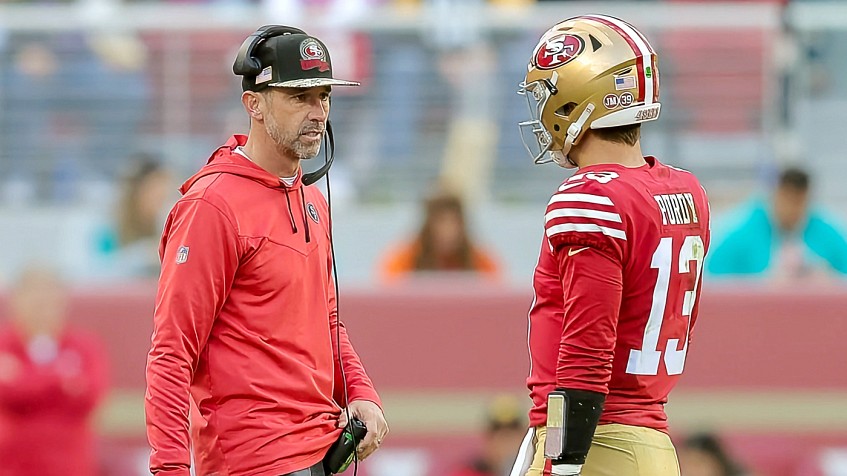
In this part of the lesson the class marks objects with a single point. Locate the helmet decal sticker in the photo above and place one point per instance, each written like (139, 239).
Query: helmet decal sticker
(557, 50)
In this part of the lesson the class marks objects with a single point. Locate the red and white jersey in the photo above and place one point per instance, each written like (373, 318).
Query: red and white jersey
(617, 288)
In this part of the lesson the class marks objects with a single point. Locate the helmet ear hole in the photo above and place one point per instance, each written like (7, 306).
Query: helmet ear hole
(556, 127)
(565, 110)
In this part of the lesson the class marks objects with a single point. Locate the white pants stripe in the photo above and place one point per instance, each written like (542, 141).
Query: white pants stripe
(525, 455)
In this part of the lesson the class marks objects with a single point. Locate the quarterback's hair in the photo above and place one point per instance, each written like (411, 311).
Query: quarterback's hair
(629, 134)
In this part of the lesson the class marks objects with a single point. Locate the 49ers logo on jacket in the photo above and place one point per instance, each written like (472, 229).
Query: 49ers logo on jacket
(558, 50)
(313, 212)
(312, 55)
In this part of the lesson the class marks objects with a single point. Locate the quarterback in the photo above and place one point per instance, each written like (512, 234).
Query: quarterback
(617, 283)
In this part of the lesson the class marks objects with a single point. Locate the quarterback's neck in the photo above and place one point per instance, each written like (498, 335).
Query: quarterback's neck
(593, 151)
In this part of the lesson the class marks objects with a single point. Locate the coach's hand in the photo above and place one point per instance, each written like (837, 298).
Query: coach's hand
(371, 415)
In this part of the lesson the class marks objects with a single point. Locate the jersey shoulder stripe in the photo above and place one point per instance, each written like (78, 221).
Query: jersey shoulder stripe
(581, 197)
(585, 228)
(583, 211)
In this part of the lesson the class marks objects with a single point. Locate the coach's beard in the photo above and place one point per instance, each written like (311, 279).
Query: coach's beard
(290, 144)
(305, 151)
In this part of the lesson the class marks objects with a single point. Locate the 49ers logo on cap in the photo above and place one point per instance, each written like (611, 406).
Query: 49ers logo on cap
(312, 55)
(558, 50)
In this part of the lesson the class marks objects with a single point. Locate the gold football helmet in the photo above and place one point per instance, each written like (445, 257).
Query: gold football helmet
(591, 71)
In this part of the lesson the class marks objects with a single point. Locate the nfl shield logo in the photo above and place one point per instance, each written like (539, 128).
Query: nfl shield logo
(182, 255)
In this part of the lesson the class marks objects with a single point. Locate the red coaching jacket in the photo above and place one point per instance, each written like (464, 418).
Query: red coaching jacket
(245, 323)
(47, 404)
(617, 287)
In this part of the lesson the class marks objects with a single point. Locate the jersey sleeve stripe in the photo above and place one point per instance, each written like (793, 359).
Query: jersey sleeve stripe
(582, 213)
(580, 197)
(586, 227)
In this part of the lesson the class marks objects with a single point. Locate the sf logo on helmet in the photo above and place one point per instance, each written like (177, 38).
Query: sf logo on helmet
(558, 50)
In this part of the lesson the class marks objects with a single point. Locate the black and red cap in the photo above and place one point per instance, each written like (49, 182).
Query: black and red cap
(292, 60)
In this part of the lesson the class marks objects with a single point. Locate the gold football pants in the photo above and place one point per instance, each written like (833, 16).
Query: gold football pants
(616, 450)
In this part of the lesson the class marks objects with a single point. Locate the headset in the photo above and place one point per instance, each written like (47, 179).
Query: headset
(248, 65)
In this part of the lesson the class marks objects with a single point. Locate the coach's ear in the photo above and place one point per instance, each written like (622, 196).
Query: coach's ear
(253, 102)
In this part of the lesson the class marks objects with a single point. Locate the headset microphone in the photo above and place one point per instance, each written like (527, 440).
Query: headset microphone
(329, 155)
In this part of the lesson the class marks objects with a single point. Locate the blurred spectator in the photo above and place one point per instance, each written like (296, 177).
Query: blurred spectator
(75, 102)
(131, 244)
(704, 455)
(442, 244)
(32, 70)
(784, 238)
(505, 427)
(111, 80)
(51, 379)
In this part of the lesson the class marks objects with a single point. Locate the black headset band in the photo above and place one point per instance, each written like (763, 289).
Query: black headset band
(246, 63)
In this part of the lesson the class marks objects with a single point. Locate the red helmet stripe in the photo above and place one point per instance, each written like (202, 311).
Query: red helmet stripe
(652, 59)
(641, 48)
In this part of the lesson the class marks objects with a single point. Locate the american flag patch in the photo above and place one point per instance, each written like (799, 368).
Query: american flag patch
(265, 76)
(182, 255)
(625, 82)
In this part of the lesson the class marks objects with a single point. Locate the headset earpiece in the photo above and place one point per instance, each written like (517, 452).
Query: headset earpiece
(246, 63)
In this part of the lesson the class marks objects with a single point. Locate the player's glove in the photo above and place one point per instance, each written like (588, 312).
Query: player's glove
(566, 469)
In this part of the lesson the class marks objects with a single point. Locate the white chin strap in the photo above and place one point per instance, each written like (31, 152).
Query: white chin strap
(560, 157)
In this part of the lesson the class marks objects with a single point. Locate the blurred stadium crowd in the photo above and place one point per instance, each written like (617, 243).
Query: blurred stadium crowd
(107, 106)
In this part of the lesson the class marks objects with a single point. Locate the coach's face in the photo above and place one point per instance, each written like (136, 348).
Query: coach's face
(295, 119)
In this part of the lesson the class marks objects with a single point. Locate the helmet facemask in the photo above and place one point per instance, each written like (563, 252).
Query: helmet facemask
(535, 137)
(540, 144)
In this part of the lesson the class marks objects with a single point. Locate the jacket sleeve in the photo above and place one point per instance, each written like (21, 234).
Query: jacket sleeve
(592, 285)
(200, 254)
(359, 385)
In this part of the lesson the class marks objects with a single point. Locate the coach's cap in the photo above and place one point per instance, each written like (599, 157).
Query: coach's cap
(293, 61)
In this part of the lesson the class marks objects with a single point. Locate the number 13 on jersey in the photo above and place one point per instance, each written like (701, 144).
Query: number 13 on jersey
(646, 360)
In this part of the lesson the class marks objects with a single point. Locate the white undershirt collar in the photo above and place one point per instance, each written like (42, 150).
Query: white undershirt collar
(288, 181)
